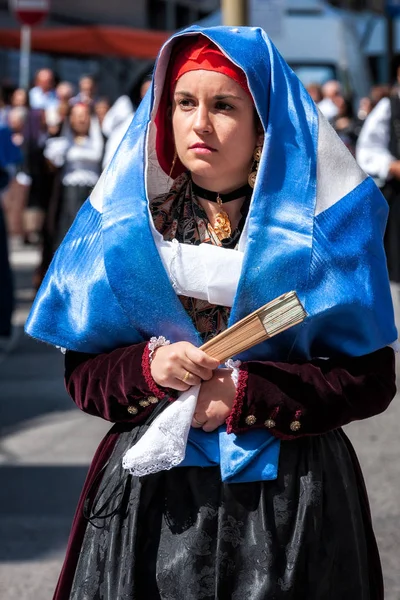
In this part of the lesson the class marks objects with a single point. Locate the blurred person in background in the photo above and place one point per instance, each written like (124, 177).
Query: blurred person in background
(15, 197)
(35, 172)
(76, 153)
(16, 121)
(43, 94)
(10, 157)
(378, 154)
(377, 93)
(315, 91)
(119, 116)
(101, 108)
(20, 97)
(145, 83)
(345, 124)
(56, 119)
(367, 103)
(365, 106)
(27, 196)
(57, 113)
(4, 108)
(64, 91)
(87, 91)
(122, 110)
(331, 92)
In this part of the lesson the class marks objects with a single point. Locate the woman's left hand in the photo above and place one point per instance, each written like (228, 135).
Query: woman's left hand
(215, 401)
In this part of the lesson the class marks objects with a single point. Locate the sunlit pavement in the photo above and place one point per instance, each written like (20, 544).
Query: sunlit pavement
(45, 450)
(47, 444)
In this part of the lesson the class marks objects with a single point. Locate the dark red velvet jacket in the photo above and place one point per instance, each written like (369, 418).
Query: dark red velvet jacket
(291, 399)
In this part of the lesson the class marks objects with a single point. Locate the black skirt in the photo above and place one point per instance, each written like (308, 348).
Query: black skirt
(185, 535)
(72, 199)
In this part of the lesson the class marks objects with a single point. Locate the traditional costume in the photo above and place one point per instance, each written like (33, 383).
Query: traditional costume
(272, 505)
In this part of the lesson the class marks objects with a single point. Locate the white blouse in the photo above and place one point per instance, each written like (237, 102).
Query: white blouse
(372, 151)
(81, 161)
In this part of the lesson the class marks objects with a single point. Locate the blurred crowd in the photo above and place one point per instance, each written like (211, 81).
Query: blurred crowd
(55, 140)
(346, 119)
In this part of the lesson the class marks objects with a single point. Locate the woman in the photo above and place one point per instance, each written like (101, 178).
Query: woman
(269, 501)
(77, 152)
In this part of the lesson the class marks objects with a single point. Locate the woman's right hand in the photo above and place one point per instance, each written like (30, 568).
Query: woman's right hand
(181, 365)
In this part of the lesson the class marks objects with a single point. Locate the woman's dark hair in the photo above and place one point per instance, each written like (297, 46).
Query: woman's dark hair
(134, 92)
(348, 108)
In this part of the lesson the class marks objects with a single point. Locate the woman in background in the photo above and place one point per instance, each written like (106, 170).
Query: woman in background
(77, 152)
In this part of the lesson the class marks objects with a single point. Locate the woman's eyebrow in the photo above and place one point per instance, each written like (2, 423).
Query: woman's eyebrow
(224, 96)
(217, 97)
(183, 93)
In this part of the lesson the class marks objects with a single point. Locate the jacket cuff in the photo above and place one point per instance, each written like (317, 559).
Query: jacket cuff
(265, 411)
(299, 399)
(155, 390)
(140, 407)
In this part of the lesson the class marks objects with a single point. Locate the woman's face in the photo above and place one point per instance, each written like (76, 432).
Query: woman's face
(80, 119)
(19, 98)
(214, 128)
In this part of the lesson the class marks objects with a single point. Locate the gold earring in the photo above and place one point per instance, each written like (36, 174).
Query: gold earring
(254, 168)
(173, 164)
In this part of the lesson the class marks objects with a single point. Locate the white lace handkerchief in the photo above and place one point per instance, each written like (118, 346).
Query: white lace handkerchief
(163, 446)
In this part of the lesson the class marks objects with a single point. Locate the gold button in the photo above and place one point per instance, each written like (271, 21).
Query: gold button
(152, 399)
(269, 423)
(132, 410)
(295, 425)
(250, 420)
(144, 403)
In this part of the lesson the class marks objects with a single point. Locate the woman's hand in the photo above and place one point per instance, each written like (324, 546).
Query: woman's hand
(181, 365)
(215, 401)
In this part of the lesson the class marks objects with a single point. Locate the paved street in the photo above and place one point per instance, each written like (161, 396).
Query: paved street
(46, 446)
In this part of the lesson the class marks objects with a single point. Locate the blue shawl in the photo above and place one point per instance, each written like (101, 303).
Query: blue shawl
(315, 225)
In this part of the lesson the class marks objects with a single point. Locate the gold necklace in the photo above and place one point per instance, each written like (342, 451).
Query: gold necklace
(222, 225)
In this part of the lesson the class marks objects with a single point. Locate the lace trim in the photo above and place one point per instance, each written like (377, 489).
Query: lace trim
(151, 384)
(156, 342)
(232, 422)
(163, 446)
(234, 366)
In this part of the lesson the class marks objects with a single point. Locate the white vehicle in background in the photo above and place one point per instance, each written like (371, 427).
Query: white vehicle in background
(319, 42)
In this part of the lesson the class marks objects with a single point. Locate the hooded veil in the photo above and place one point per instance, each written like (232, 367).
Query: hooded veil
(315, 225)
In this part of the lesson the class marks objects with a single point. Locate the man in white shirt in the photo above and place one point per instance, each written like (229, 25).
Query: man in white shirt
(43, 95)
(378, 154)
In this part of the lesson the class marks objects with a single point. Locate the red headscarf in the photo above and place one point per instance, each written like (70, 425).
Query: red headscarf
(191, 54)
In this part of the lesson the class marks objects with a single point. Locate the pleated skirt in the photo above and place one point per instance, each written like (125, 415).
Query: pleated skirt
(184, 535)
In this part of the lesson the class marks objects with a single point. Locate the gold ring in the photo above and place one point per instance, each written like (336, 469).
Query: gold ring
(185, 377)
(198, 422)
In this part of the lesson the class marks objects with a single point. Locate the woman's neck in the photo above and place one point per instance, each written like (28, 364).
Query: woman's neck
(221, 187)
(212, 208)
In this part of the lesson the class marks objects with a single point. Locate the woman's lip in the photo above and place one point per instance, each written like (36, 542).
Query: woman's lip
(202, 149)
